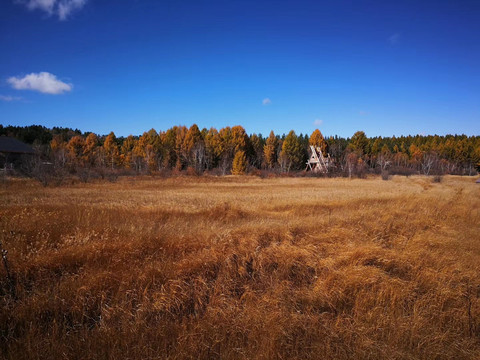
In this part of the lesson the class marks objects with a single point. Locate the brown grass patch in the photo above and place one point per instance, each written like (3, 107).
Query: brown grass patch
(242, 268)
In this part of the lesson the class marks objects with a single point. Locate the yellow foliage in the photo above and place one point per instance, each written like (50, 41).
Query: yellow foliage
(239, 166)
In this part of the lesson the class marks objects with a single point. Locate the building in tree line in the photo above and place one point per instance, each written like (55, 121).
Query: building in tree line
(317, 162)
(13, 152)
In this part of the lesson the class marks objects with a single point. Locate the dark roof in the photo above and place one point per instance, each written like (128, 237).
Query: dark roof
(11, 145)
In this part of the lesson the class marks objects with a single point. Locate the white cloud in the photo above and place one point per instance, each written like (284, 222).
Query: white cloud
(45, 5)
(266, 101)
(60, 8)
(318, 122)
(9, 98)
(65, 7)
(393, 39)
(43, 82)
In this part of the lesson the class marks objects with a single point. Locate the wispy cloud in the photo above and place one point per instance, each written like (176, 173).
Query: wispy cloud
(66, 7)
(9, 98)
(45, 5)
(318, 122)
(266, 101)
(393, 39)
(43, 82)
(60, 8)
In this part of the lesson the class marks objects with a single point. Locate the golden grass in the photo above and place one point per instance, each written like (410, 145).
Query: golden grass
(242, 268)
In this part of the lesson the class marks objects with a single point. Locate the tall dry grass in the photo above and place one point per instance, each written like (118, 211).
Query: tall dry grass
(242, 268)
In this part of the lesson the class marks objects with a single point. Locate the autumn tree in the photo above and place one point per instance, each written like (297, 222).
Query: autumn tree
(416, 155)
(75, 149)
(192, 138)
(111, 150)
(146, 152)
(126, 157)
(59, 151)
(213, 149)
(400, 158)
(232, 140)
(291, 156)
(359, 143)
(270, 151)
(153, 150)
(351, 160)
(317, 140)
(376, 145)
(256, 143)
(194, 148)
(90, 150)
(240, 140)
(476, 154)
(383, 158)
(226, 148)
(169, 139)
(182, 155)
(239, 166)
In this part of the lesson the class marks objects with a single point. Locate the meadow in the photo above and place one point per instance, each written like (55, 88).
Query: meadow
(241, 268)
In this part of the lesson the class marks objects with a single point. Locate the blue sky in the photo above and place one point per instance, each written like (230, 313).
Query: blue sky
(385, 67)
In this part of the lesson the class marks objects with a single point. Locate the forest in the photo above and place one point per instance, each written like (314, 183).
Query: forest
(231, 150)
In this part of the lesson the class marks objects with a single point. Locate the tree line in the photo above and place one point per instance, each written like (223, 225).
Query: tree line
(232, 150)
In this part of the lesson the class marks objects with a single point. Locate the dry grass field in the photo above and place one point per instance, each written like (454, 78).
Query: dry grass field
(242, 268)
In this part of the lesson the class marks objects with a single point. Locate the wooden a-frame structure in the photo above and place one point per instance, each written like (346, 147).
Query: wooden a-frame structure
(317, 162)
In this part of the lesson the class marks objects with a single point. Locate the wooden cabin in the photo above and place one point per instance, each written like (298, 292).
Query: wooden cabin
(12, 152)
